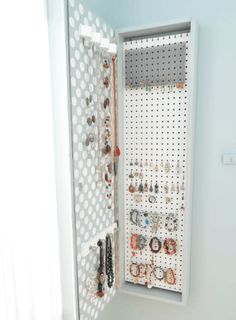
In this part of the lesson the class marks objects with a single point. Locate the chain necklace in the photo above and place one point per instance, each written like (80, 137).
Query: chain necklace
(101, 275)
(109, 262)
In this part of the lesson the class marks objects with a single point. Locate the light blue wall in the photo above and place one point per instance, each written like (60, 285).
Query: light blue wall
(213, 275)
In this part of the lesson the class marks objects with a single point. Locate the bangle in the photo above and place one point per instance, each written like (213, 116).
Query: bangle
(169, 246)
(134, 269)
(170, 276)
(155, 245)
(158, 273)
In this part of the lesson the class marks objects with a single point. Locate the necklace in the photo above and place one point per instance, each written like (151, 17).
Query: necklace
(109, 262)
(101, 276)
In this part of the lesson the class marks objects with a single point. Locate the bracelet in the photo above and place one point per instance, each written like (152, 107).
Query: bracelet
(158, 273)
(134, 269)
(169, 246)
(170, 276)
(155, 245)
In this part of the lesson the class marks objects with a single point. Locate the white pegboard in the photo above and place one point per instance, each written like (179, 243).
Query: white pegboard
(155, 132)
(92, 216)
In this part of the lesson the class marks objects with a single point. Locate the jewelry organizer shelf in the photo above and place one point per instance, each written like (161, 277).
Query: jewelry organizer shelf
(156, 124)
(155, 127)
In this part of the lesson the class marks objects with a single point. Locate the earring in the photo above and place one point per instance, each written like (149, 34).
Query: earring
(141, 175)
(167, 167)
(106, 82)
(145, 189)
(131, 176)
(166, 188)
(156, 188)
(151, 187)
(156, 168)
(178, 168)
(140, 187)
(131, 188)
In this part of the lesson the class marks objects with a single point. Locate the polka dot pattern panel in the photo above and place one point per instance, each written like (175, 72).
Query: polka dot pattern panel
(94, 212)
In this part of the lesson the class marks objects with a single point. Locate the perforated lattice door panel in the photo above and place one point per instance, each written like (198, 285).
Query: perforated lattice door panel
(155, 152)
(90, 195)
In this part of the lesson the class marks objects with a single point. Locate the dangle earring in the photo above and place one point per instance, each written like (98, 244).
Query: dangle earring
(166, 188)
(141, 174)
(131, 176)
(156, 188)
(131, 188)
(151, 187)
(167, 167)
(178, 168)
(145, 189)
(156, 168)
(140, 187)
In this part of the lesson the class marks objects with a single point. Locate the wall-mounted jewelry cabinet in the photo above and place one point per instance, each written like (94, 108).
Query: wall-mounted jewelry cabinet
(145, 202)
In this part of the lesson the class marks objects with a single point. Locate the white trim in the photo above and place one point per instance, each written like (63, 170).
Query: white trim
(57, 28)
